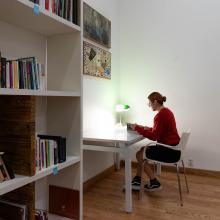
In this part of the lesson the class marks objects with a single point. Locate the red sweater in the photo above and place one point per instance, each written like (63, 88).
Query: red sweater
(164, 129)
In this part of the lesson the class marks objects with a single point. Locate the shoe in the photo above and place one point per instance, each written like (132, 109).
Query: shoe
(153, 186)
(136, 183)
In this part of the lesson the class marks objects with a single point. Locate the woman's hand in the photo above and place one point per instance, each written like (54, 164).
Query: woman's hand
(146, 128)
(133, 126)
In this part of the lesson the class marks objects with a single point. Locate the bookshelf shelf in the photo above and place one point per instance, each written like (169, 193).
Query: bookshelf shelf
(21, 13)
(20, 180)
(26, 92)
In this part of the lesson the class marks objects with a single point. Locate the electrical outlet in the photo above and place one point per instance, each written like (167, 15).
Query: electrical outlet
(190, 163)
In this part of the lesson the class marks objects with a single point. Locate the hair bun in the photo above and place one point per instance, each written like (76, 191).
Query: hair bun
(164, 98)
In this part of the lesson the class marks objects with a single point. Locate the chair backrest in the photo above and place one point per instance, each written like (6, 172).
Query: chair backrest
(183, 140)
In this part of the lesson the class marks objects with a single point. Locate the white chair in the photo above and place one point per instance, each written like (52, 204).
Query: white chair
(180, 147)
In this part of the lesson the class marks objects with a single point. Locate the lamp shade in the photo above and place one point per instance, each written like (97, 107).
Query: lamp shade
(122, 108)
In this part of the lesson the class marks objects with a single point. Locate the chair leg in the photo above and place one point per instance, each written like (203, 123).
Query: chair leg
(184, 172)
(180, 191)
(142, 180)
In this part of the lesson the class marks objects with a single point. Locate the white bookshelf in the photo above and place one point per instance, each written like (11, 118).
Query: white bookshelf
(38, 92)
(57, 43)
(20, 13)
(20, 180)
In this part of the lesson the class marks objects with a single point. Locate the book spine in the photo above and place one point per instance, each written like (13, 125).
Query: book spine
(44, 155)
(51, 143)
(75, 12)
(48, 153)
(42, 4)
(3, 72)
(7, 167)
(51, 5)
(17, 75)
(71, 9)
(47, 4)
(37, 155)
(34, 72)
(42, 77)
(7, 75)
(41, 154)
(11, 74)
(2, 178)
(3, 171)
(55, 152)
(0, 70)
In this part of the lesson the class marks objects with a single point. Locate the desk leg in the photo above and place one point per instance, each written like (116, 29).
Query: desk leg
(128, 179)
(117, 161)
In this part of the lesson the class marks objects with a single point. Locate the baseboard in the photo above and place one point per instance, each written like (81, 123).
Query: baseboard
(191, 171)
(92, 181)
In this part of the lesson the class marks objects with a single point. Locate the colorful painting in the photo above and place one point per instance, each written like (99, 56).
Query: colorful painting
(96, 26)
(97, 62)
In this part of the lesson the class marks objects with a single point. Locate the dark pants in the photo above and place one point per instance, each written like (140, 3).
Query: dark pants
(162, 154)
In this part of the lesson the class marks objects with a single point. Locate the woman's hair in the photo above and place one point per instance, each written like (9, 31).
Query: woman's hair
(157, 96)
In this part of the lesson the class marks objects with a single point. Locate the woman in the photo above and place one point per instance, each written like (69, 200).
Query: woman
(163, 131)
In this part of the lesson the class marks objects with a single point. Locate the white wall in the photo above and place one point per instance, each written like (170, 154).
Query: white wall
(100, 95)
(173, 46)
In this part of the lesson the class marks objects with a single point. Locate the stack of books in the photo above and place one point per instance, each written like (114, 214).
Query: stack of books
(41, 215)
(24, 73)
(50, 150)
(66, 9)
(11, 210)
(6, 172)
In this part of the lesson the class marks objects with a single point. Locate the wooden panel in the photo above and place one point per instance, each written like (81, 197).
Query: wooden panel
(17, 132)
(24, 195)
(64, 202)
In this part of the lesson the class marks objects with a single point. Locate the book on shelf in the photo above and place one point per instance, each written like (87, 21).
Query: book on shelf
(41, 214)
(23, 73)
(35, 1)
(6, 172)
(12, 211)
(50, 150)
(67, 9)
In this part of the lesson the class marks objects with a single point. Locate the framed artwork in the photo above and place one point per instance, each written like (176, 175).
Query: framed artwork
(96, 26)
(96, 61)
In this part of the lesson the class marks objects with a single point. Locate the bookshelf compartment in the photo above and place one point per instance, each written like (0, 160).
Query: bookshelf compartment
(63, 63)
(45, 23)
(24, 195)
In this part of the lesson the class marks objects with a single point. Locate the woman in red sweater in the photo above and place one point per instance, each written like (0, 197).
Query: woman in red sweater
(163, 131)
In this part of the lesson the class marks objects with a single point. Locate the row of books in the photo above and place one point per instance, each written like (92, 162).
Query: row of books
(6, 172)
(50, 150)
(41, 215)
(24, 73)
(66, 9)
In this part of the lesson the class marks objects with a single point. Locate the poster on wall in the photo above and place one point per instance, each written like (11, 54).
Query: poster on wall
(96, 61)
(96, 26)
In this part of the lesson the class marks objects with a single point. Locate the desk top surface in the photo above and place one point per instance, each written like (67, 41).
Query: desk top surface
(119, 136)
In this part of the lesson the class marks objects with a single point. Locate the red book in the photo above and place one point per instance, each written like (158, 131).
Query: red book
(47, 4)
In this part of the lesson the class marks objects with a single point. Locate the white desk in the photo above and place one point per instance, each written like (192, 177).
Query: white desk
(116, 142)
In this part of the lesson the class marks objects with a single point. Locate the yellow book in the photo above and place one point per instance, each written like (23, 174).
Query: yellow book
(15, 74)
